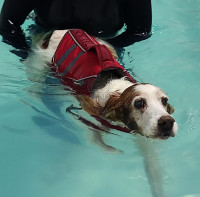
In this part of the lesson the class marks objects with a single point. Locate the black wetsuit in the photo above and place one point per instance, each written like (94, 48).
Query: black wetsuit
(102, 18)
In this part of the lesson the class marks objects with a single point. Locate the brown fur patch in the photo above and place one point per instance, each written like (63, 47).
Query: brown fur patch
(121, 107)
(45, 44)
(111, 105)
(88, 105)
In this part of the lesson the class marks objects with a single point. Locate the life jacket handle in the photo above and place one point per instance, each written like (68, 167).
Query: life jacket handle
(87, 43)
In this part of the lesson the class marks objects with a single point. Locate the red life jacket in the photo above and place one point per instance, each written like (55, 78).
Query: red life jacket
(79, 58)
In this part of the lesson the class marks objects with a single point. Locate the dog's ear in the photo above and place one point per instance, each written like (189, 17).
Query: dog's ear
(88, 105)
(112, 104)
(170, 109)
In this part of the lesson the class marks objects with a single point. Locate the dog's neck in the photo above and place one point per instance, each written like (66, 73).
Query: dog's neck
(113, 86)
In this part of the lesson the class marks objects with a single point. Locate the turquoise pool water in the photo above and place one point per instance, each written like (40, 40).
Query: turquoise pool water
(46, 152)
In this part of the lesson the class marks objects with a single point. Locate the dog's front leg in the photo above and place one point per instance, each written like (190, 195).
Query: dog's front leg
(152, 166)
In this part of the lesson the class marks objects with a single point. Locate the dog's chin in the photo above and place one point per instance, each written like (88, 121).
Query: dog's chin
(155, 134)
(159, 136)
(163, 137)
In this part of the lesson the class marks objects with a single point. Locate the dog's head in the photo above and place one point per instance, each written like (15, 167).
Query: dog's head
(144, 108)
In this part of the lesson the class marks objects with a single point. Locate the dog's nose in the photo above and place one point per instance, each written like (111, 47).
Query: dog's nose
(165, 125)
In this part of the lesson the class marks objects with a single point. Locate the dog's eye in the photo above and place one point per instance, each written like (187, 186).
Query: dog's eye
(164, 101)
(139, 104)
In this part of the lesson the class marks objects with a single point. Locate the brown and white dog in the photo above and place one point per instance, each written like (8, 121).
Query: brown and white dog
(142, 107)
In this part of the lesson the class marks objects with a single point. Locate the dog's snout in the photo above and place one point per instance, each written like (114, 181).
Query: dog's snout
(165, 125)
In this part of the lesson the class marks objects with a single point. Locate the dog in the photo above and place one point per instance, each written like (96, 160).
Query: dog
(103, 87)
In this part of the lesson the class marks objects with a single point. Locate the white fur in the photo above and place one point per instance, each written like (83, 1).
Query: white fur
(117, 85)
